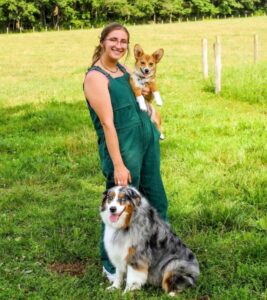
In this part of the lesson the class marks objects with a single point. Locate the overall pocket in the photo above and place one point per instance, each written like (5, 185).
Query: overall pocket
(125, 116)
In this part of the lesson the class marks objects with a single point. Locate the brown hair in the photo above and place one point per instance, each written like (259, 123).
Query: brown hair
(105, 32)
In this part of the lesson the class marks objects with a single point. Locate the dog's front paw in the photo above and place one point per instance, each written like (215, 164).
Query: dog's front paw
(142, 103)
(158, 98)
(143, 107)
(132, 287)
(113, 287)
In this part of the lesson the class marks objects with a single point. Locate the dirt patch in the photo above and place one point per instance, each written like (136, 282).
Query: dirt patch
(73, 269)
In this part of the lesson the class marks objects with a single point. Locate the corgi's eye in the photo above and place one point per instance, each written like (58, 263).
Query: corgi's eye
(142, 63)
(151, 64)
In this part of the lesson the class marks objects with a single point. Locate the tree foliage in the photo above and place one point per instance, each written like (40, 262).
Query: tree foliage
(40, 13)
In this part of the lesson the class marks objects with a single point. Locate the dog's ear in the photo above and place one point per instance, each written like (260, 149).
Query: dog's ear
(104, 198)
(138, 51)
(133, 195)
(158, 55)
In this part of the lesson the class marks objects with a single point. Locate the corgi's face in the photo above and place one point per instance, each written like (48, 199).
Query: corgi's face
(145, 64)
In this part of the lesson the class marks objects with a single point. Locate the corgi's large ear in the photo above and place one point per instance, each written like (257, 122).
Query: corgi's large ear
(158, 55)
(138, 51)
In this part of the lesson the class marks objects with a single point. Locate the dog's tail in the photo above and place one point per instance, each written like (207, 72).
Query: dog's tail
(180, 275)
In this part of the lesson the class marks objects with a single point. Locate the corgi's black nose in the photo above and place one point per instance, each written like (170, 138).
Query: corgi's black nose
(112, 209)
(146, 70)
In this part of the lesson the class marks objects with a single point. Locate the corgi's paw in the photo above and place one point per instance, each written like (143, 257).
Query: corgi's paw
(142, 103)
(143, 106)
(158, 98)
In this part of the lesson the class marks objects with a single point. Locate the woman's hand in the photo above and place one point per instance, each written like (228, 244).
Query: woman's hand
(145, 91)
(122, 175)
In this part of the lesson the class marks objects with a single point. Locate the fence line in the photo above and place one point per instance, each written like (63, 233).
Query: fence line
(218, 64)
(256, 48)
(205, 65)
(218, 60)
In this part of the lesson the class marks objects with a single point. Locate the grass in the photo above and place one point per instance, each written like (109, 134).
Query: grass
(213, 161)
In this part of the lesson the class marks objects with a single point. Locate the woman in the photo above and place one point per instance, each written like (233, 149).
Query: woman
(128, 141)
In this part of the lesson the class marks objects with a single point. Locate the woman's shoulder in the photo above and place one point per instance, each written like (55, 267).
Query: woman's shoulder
(93, 75)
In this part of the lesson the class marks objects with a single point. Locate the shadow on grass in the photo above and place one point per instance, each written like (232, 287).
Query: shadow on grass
(51, 117)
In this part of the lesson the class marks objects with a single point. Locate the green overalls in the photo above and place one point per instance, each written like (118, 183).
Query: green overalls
(139, 147)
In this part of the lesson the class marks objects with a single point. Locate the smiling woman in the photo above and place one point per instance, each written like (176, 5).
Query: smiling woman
(128, 141)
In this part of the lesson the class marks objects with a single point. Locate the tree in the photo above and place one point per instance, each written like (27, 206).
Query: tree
(170, 8)
(203, 7)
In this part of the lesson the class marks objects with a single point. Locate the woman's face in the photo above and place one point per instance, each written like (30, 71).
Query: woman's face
(115, 44)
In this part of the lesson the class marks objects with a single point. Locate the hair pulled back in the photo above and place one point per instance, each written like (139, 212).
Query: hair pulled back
(105, 32)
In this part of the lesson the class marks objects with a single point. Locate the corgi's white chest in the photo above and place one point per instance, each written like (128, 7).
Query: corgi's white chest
(139, 81)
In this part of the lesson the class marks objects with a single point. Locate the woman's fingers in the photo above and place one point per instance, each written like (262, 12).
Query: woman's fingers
(122, 177)
(145, 91)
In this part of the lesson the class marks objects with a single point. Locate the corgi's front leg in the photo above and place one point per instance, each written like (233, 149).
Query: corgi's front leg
(157, 98)
(154, 90)
(138, 94)
(142, 103)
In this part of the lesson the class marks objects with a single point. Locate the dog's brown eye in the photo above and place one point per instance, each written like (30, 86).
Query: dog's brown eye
(142, 63)
(151, 64)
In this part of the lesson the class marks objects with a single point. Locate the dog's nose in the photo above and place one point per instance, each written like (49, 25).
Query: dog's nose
(112, 209)
(146, 70)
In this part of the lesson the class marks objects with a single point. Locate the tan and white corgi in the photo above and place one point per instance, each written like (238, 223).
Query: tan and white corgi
(144, 74)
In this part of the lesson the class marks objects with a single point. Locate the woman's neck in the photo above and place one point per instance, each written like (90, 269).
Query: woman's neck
(110, 63)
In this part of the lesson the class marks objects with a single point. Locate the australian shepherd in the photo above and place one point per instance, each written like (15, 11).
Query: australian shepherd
(142, 246)
(144, 74)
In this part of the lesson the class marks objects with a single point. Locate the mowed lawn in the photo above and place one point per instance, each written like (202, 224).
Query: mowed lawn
(213, 161)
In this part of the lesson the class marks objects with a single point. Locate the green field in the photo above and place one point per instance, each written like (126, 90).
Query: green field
(214, 161)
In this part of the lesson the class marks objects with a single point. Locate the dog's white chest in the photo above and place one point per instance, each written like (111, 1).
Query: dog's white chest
(116, 247)
(139, 81)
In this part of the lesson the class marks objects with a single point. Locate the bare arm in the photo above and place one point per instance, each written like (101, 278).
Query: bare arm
(96, 89)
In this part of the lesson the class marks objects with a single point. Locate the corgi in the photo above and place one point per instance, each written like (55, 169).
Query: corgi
(144, 74)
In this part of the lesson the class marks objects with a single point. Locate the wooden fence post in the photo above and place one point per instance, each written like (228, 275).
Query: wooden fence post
(205, 58)
(256, 48)
(218, 65)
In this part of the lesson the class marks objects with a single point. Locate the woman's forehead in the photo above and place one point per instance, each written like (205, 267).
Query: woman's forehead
(118, 34)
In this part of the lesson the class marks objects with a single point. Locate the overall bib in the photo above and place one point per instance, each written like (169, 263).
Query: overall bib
(139, 147)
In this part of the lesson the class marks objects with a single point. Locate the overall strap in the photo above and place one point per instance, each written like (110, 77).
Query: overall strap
(97, 68)
(122, 68)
